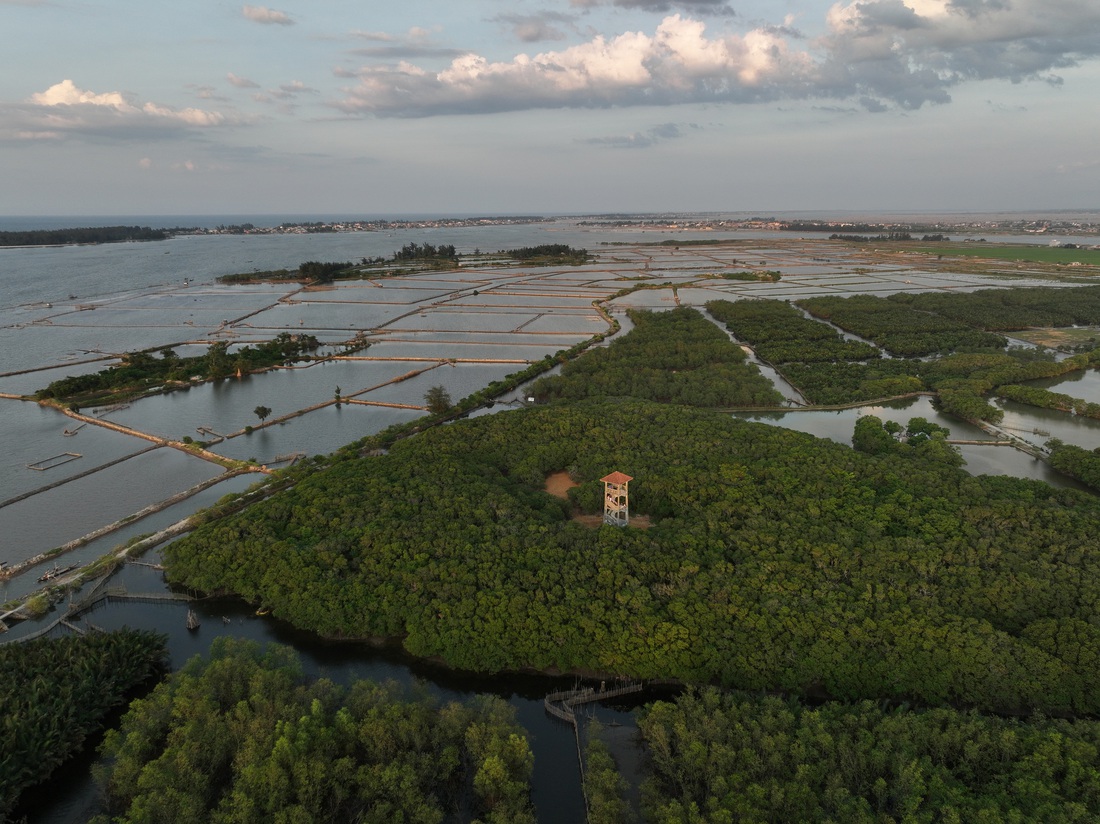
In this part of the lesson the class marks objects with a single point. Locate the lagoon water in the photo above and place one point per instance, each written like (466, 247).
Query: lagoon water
(106, 300)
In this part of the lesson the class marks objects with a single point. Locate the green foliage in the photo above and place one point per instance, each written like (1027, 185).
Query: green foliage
(1045, 399)
(548, 253)
(765, 275)
(93, 234)
(322, 272)
(55, 692)
(1076, 461)
(674, 357)
(776, 561)
(920, 439)
(728, 757)
(781, 334)
(438, 400)
(604, 786)
(143, 371)
(241, 737)
(901, 330)
(425, 251)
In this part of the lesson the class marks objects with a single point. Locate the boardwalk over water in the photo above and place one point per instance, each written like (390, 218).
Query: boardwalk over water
(100, 593)
(560, 705)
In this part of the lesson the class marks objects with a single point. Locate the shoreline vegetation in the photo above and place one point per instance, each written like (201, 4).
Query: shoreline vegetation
(826, 605)
(72, 237)
(411, 259)
(144, 373)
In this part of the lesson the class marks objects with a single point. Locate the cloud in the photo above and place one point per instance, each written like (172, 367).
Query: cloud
(638, 140)
(241, 82)
(677, 64)
(289, 91)
(65, 110)
(416, 43)
(878, 53)
(662, 6)
(262, 14)
(536, 28)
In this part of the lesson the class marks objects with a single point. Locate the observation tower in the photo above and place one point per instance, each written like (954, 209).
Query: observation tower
(616, 502)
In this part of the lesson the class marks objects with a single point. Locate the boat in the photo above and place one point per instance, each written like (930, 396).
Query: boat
(192, 620)
(56, 572)
(263, 611)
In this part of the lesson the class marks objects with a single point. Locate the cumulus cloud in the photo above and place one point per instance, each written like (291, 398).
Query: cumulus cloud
(877, 53)
(676, 64)
(65, 109)
(262, 14)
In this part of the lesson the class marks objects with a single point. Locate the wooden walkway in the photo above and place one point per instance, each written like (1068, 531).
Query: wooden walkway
(560, 705)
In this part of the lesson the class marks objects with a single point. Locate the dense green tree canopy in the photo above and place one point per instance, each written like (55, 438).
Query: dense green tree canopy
(55, 692)
(739, 758)
(241, 737)
(776, 561)
(675, 357)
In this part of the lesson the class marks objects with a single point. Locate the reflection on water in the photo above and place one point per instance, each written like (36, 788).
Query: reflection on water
(52, 518)
(980, 460)
(37, 434)
(25, 584)
(1084, 384)
(555, 785)
(228, 405)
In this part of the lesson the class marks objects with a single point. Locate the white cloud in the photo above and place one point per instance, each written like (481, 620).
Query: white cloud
(66, 93)
(262, 14)
(676, 64)
(145, 163)
(875, 52)
(65, 109)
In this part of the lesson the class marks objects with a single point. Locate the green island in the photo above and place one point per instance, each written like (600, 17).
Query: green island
(242, 736)
(55, 693)
(143, 373)
(774, 560)
(410, 259)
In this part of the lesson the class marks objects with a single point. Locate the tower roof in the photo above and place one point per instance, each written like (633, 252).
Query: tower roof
(616, 478)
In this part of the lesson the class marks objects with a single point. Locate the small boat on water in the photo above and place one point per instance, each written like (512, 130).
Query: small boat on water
(263, 611)
(56, 572)
(192, 620)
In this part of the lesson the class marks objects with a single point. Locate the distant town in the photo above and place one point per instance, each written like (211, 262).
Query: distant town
(936, 228)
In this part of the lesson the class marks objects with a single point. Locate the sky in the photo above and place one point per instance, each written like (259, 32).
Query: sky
(494, 107)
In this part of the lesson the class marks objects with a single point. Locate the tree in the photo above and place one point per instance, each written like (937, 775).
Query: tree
(262, 412)
(438, 400)
(870, 436)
